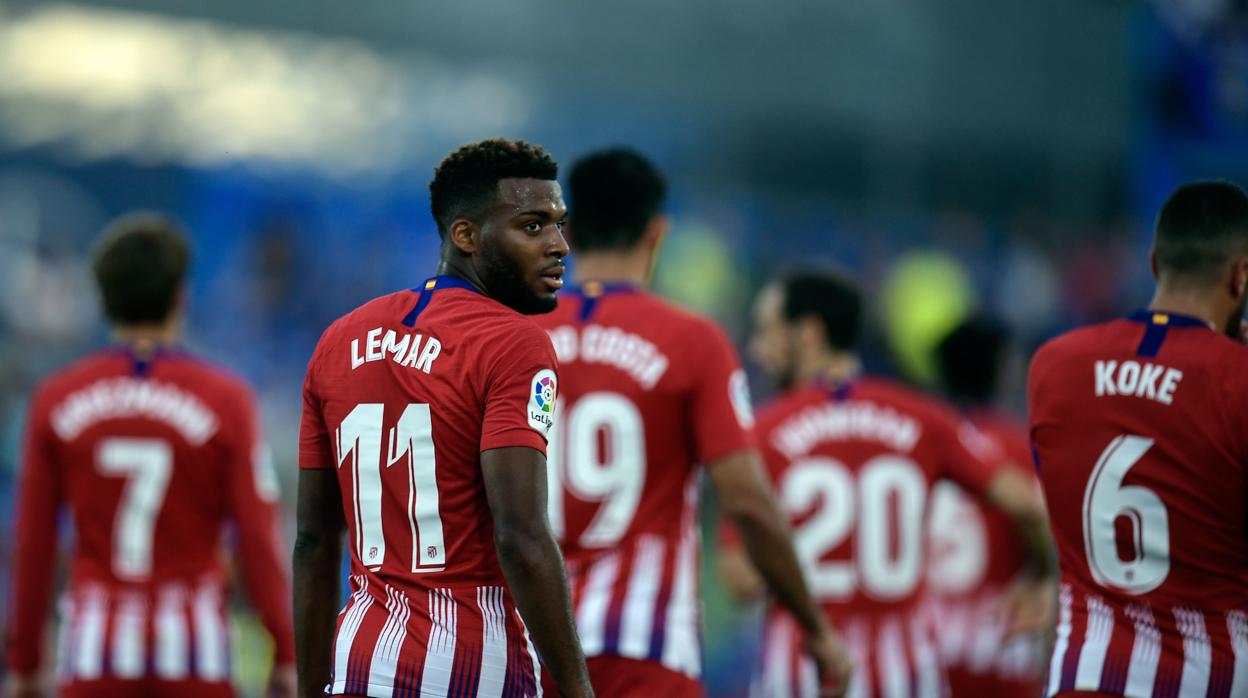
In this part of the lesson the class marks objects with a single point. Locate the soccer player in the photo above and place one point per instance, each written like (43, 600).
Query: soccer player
(426, 414)
(650, 391)
(976, 554)
(1141, 443)
(854, 459)
(151, 451)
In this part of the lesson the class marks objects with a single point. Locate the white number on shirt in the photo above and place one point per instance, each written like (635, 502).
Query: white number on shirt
(411, 441)
(885, 484)
(599, 448)
(1105, 500)
(146, 465)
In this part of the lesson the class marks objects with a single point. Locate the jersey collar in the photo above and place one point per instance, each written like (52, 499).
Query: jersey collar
(440, 282)
(592, 291)
(1154, 317)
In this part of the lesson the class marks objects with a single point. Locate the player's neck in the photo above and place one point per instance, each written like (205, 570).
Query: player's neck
(1182, 302)
(833, 367)
(613, 267)
(147, 338)
(449, 267)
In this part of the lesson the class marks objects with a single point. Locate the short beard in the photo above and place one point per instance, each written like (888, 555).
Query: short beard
(505, 282)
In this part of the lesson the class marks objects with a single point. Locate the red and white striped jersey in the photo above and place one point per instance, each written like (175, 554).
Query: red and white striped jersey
(649, 393)
(1141, 443)
(854, 465)
(152, 459)
(976, 556)
(402, 395)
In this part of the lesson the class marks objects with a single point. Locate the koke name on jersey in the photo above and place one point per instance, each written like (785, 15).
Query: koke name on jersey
(595, 344)
(412, 350)
(1132, 378)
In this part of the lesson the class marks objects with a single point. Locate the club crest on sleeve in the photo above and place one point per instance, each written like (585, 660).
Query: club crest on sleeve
(542, 395)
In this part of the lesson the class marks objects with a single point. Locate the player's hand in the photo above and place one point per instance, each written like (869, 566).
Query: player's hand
(26, 687)
(833, 663)
(282, 682)
(1030, 606)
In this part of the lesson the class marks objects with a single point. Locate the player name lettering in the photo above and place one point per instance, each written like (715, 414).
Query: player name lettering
(411, 350)
(843, 421)
(595, 344)
(121, 398)
(1133, 378)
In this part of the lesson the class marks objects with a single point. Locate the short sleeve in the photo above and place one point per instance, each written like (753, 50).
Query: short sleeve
(315, 449)
(520, 390)
(723, 418)
(972, 458)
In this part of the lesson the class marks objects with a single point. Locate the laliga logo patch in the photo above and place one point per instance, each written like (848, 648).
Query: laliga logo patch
(542, 400)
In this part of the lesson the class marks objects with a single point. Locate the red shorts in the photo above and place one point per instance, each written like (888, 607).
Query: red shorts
(617, 677)
(145, 688)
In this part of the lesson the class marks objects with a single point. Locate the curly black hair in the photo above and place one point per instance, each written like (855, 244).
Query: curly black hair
(468, 178)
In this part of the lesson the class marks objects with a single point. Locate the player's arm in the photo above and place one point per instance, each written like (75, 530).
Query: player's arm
(515, 484)
(981, 467)
(1031, 603)
(253, 497)
(746, 500)
(318, 550)
(39, 501)
(735, 570)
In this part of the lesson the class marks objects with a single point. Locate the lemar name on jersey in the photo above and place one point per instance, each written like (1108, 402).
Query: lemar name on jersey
(413, 350)
(1132, 378)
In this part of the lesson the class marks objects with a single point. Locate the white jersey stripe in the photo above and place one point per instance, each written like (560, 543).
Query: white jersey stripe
(681, 651)
(895, 673)
(1237, 628)
(1197, 652)
(1095, 644)
(129, 624)
(862, 679)
(926, 661)
(89, 660)
(776, 679)
(591, 613)
(493, 642)
(807, 676)
(639, 602)
(537, 666)
(172, 661)
(359, 605)
(65, 639)
(440, 654)
(1145, 652)
(211, 650)
(1062, 643)
(385, 661)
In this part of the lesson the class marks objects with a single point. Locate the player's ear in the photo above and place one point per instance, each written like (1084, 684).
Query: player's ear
(652, 239)
(810, 333)
(1152, 260)
(464, 235)
(1239, 278)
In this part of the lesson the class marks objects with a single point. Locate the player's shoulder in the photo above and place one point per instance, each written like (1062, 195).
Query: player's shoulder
(199, 373)
(892, 393)
(786, 404)
(77, 374)
(382, 308)
(1081, 341)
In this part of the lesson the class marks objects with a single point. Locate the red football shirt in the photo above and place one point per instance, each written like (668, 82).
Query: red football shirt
(152, 460)
(1141, 445)
(976, 556)
(649, 392)
(402, 395)
(854, 466)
